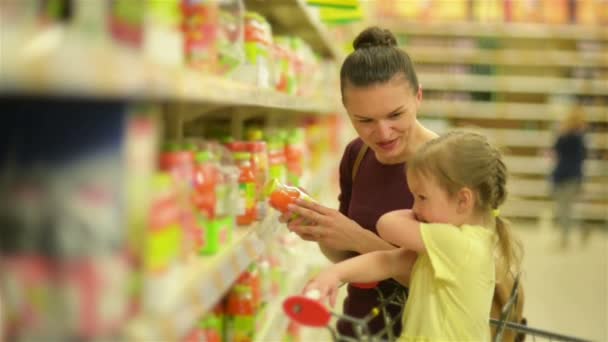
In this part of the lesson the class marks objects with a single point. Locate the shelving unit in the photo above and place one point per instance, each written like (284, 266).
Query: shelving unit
(58, 62)
(499, 30)
(514, 82)
(276, 320)
(456, 109)
(110, 72)
(519, 57)
(294, 17)
(205, 280)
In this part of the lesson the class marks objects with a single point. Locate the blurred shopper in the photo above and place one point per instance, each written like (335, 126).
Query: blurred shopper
(569, 152)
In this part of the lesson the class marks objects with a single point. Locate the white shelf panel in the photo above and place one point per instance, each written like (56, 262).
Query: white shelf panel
(503, 30)
(71, 67)
(593, 191)
(542, 166)
(506, 110)
(559, 58)
(537, 138)
(513, 84)
(516, 207)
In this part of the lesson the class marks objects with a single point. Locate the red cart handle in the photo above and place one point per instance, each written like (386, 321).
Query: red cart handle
(306, 311)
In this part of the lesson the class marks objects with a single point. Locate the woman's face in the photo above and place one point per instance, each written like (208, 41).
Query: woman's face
(384, 116)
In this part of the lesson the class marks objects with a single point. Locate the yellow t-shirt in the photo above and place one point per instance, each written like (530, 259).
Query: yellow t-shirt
(451, 285)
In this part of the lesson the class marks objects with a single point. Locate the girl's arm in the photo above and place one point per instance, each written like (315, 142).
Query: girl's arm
(337, 235)
(366, 268)
(401, 228)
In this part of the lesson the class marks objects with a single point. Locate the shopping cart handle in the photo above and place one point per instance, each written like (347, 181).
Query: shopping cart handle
(306, 311)
(365, 286)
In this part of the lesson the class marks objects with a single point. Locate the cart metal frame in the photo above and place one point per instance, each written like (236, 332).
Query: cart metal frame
(298, 305)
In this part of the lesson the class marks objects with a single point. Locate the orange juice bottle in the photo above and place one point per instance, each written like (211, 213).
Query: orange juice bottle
(205, 179)
(247, 189)
(282, 195)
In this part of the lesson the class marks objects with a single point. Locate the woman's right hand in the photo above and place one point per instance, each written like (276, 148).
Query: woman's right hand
(329, 227)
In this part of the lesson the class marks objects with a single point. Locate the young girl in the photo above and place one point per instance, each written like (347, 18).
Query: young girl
(447, 242)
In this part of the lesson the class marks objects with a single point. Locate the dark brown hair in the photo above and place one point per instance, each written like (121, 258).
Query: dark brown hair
(376, 60)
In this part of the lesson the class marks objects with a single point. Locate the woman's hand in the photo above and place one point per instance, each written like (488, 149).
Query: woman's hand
(326, 226)
(324, 286)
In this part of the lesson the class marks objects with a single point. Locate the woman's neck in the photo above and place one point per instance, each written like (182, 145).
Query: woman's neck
(419, 137)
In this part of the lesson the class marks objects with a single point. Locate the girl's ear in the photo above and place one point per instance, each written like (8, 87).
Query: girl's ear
(466, 200)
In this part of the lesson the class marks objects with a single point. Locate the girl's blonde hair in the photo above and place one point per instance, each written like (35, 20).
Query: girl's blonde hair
(461, 159)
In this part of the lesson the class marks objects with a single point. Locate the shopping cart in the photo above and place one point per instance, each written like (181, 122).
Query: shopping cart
(308, 311)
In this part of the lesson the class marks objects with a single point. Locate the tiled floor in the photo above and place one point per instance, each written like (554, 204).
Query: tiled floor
(566, 289)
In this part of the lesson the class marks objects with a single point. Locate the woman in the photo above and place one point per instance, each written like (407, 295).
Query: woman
(381, 94)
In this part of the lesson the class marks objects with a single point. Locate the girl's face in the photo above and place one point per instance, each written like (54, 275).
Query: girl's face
(384, 116)
(433, 204)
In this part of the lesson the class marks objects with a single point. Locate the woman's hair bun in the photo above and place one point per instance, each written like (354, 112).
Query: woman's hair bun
(374, 36)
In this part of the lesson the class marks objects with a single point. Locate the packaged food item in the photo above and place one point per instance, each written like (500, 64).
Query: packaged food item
(281, 196)
(241, 314)
(65, 262)
(258, 45)
(179, 163)
(295, 151)
(126, 22)
(277, 167)
(206, 177)
(247, 189)
(200, 28)
(212, 325)
(286, 80)
(165, 235)
(163, 34)
(231, 37)
(259, 162)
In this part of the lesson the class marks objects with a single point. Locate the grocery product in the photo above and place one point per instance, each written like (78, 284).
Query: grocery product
(259, 164)
(281, 196)
(258, 42)
(247, 189)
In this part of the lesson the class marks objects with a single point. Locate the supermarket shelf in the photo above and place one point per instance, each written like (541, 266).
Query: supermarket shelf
(541, 166)
(205, 281)
(77, 69)
(294, 18)
(508, 30)
(592, 191)
(560, 58)
(506, 110)
(193, 87)
(517, 207)
(515, 84)
(537, 138)
(276, 321)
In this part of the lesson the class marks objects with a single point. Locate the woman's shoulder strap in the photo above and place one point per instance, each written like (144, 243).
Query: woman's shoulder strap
(358, 160)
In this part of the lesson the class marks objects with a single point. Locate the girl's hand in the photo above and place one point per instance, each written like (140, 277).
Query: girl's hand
(325, 284)
(330, 228)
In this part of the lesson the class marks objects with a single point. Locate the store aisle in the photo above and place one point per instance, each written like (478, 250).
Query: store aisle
(566, 289)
